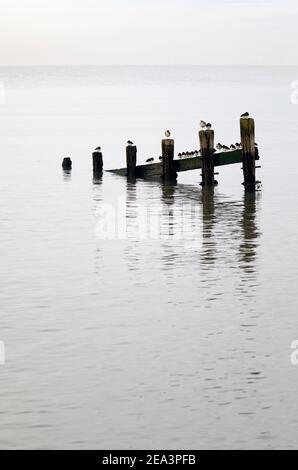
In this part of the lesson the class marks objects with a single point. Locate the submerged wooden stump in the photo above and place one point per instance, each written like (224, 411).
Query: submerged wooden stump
(207, 151)
(247, 130)
(67, 163)
(169, 174)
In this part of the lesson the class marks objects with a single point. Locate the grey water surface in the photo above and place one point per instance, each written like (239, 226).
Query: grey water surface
(178, 340)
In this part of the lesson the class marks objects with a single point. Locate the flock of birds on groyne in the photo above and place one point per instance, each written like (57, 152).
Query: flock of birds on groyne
(195, 153)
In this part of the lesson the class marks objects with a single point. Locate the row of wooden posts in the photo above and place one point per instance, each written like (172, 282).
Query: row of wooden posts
(169, 175)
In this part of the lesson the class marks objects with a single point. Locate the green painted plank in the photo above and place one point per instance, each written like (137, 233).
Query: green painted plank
(154, 170)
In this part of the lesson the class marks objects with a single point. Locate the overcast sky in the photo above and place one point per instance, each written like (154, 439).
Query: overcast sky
(53, 32)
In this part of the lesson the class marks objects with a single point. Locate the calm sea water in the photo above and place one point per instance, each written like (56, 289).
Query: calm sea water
(182, 340)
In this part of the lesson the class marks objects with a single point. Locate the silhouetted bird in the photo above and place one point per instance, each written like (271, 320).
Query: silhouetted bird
(208, 125)
(150, 160)
(160, 158)
(245, 115)
(238, 146)
(225, 147)
(129, 142)
(233, 147)
(168, 134)
(203, 124)
(219, 146)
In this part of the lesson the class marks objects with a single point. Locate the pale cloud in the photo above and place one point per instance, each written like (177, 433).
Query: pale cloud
(148, 32)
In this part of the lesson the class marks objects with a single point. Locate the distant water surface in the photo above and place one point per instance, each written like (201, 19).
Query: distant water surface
(182, 340)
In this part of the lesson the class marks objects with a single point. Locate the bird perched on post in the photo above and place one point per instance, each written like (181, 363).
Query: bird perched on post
(219, 146)
(208, 125)
(203, 124)
(245, 115)
(129, 142)
(238, 146)
(150, 160)
(168, 134)
(233, 147)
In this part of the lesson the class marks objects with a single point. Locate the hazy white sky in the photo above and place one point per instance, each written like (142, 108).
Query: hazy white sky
(148, 32)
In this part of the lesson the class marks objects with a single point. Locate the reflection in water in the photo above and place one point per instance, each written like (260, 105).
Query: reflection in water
(249, 231)
(67, 175)
(97, 178)
(168, 191)
(249, 244)
(208, 255)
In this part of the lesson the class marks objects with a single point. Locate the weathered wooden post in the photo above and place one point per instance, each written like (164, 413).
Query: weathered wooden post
(67, 163)
(131, 161)
(207, 151)
(97, 162)
(169, 173)
(247, 131)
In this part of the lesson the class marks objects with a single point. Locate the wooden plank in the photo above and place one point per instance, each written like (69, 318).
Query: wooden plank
(169, 172)
(247, 129)
(155, 171)
(131, 161)
(207, 152)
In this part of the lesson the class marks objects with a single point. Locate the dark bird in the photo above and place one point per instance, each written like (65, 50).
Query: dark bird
(150, 160)
(245, 115)
(225, 147)
(98, 149)
(160, 158)
(203, 124)
(233, 147)
(219, 146)
(208, 125)
(168, 134)
(238, 146)
(129, 142)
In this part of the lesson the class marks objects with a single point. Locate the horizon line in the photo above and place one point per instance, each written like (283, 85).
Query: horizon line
(148, 65)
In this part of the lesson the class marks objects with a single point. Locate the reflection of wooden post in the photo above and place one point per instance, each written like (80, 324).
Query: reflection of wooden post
(131, 161)
(67, 164)
(247, 130)
(207, 150)
(97, 163)
(169, 173)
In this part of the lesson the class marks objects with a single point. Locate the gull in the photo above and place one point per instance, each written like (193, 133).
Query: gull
(232, 147)
(168, 134)
(129, 142)
(150, 160)
(98, 149)
(208, 125)
(219, 146)
(203, 124)
(245, 115)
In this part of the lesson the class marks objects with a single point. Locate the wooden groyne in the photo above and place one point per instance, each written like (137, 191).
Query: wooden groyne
(207, 159)
(168, 168)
